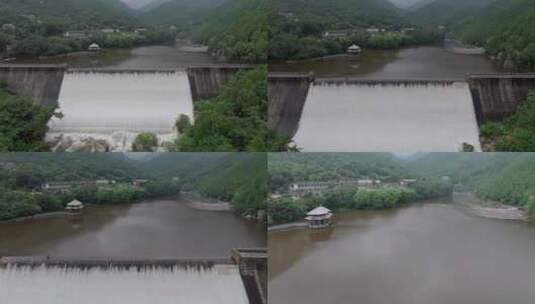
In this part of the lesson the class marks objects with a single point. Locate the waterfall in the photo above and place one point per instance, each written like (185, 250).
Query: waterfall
(388, 116)
(220, 284)
(115, 106)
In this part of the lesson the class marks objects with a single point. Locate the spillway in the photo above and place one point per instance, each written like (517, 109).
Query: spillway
(219, 284)
(115, 106)
(345, 115)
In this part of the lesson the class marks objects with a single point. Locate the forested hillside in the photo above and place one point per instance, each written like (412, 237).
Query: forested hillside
(505, 29)
(72, 14)
(239, 178)
(286, 168)
(237, 30)
(446, 12)
(43, 28)
(178, 12)
(297, 27)
(504, 177)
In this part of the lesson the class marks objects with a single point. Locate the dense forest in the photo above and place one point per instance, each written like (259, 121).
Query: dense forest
(507, 178)
(505, 30)
(286, 168)
(239, 178)
(445, 12)
(218, 175)
(237, 31)
(297, 28)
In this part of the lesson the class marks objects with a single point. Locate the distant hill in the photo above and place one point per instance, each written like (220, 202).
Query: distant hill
(446, 12)
(506, 30)
(78, 13)
(177, 12)
(237, 30)
(505, 177)
(345, 12)
(239, 178)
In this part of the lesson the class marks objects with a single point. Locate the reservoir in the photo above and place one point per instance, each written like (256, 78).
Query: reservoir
(433, 252)
(423, 62)
(177, 56)
(163, 228)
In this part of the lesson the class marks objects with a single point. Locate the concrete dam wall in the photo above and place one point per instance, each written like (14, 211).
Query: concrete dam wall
(207, 81)
(287, 94)
(40, 82)
(498, 96)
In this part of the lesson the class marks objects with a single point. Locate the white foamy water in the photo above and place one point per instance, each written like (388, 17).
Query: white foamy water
(219, 285)
(391, 117)
(111, 105)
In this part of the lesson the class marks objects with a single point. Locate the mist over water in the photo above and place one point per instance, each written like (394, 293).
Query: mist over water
(387, 117)
(101, 104)
(219, 284)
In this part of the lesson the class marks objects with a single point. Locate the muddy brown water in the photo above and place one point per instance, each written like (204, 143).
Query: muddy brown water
(424, 62)
(434, 252)
(165, 228)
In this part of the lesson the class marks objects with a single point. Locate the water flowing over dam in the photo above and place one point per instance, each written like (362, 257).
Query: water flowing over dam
(115, 106)
(219, 284)
(375, 115)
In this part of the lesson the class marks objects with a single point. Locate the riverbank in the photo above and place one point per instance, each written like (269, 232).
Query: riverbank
(37, 216)
(196, 201)
(492, 210)
(458, 47)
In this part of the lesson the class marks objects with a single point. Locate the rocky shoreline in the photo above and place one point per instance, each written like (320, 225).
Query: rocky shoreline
(198, 202)
(495, 211)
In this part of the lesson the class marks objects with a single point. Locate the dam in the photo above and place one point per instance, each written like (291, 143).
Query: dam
(346, 114)
(111, 280)
(115, 106)
(105, 109)
(387, 116)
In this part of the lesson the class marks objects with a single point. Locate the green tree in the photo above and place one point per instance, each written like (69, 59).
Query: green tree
(145, 142)
(23, 124)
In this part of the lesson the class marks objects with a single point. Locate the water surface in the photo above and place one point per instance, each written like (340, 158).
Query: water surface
(424, 62)
(426, 253)
(145, 57)
(151, 229)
